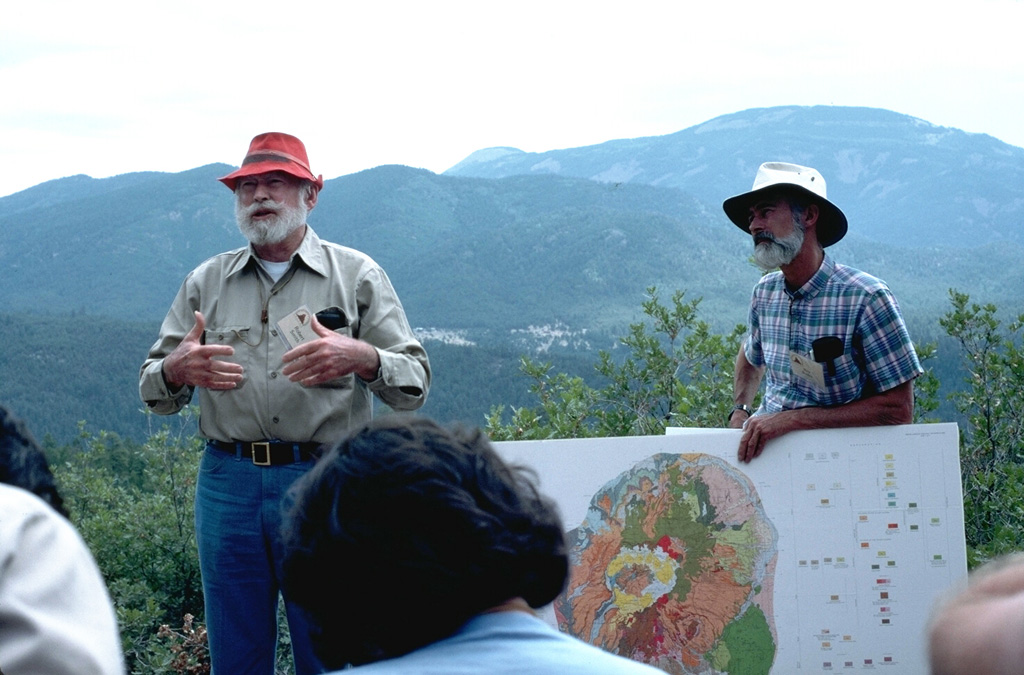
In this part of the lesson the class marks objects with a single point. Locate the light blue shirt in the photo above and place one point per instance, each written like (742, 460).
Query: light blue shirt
(506, 643)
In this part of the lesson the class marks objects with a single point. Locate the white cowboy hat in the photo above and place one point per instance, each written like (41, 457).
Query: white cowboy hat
(831, 223)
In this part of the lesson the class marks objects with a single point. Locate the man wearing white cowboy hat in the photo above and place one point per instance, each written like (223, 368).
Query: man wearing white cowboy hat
(288, 340)
(829, 339)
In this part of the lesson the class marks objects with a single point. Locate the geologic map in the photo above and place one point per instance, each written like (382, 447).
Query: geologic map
(823, 555)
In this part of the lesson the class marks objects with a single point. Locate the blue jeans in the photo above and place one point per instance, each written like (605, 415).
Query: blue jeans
(238, 520)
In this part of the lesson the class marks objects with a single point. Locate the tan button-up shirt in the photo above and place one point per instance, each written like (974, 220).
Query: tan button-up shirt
(242, 305)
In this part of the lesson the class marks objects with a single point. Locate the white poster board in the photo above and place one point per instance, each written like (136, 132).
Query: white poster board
(825, 554)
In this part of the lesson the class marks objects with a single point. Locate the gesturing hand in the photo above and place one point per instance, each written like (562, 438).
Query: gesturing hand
(330, 357)
(193, 363)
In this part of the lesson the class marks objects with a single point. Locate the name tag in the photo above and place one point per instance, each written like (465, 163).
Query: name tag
(808, 369)
(297, 328)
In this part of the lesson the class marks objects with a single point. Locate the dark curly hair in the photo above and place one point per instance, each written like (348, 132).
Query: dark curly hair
(23, 463)
(405, 530)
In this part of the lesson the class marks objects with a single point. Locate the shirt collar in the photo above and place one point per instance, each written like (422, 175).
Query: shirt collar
(818, 280)
(309, 252)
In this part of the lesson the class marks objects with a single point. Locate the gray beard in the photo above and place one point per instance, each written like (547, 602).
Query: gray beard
(773, 252)
(272, 231)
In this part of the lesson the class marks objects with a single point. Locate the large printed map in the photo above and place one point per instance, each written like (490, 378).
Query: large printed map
(823, 555)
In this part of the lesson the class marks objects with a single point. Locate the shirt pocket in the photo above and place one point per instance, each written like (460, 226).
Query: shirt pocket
(345, 381)
(845, 385)
(242, 340)
(337, 320)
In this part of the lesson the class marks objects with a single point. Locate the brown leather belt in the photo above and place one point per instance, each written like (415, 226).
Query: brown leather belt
(269, 453)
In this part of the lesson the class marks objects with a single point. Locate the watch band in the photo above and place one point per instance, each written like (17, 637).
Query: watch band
(740, 406)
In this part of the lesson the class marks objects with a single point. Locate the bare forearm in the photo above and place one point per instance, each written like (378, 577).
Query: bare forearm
(746, 382)
(895, 406)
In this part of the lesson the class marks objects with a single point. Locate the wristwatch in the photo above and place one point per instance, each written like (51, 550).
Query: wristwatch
(739, 406)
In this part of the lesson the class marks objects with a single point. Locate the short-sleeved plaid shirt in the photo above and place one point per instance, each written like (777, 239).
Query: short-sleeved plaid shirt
(839, 301)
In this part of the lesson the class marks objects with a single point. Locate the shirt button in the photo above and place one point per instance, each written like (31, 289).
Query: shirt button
(276, 420)
(273, 374)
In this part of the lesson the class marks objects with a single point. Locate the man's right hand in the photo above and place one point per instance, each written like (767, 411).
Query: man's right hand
(760, 429)
(192, 363)
(737, 419)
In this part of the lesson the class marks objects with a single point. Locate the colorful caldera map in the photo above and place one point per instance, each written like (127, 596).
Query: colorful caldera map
(674, 566)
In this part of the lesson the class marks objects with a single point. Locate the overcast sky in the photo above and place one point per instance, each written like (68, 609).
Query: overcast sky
(104, 88)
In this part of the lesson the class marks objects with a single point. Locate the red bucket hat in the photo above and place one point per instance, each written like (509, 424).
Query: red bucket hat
(274, 152)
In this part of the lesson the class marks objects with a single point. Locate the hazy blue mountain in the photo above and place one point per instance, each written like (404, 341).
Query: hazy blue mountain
(899, 179)
(509, 252)
(462, 252)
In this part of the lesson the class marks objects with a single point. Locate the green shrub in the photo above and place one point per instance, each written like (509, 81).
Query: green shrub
(133, 504)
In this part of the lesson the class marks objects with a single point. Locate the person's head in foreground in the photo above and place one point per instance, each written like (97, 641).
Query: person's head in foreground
(406, 530)
(979, 630)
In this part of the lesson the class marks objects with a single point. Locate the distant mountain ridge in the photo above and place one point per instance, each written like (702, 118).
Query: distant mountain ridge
(897, 177)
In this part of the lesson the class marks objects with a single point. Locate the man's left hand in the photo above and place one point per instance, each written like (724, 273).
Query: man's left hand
(330, 357)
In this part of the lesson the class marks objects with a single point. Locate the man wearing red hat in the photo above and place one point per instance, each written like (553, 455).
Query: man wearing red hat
(287, 340)
(829, 338)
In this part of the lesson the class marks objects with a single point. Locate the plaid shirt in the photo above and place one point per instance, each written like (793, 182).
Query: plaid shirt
(837, 301)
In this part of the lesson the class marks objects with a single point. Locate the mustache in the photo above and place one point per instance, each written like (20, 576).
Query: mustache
(762, 237)
(258, 207)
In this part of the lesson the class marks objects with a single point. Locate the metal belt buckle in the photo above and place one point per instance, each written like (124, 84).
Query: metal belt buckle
(263, 448)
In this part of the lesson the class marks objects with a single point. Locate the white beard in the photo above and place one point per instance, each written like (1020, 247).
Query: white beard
(272, 230)
(772, 252)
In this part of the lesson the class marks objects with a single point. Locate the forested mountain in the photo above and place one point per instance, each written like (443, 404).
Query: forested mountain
(507, 252)
(899, 179)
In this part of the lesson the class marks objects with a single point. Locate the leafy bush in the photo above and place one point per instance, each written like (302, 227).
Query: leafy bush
(992, 444)
(133, 504)
(676, 373)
